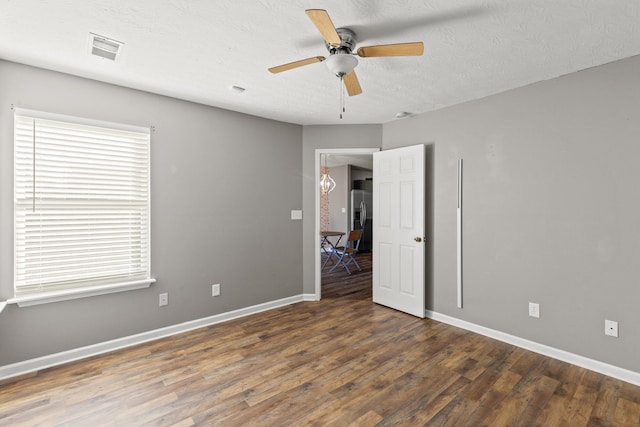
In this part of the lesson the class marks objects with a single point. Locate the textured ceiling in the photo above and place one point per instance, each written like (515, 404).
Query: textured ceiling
(197, 49)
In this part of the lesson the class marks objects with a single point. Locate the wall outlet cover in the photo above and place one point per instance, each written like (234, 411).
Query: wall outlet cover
(611, 328)
(534, 309)
(215, 290)
(163, 299)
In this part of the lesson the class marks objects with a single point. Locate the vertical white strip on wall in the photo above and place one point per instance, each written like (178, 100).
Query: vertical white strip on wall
(459, 234)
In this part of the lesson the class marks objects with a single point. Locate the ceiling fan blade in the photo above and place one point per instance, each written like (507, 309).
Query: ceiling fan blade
(352, 84)
(399, 49)
(296, 64)
(321, 20)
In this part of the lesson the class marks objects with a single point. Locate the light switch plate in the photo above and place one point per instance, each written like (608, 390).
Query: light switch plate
(296, 214)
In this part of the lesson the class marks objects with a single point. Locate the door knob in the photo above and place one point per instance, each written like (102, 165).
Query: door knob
(418, 239)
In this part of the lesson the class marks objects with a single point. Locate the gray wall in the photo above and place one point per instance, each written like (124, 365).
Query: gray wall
(315, 137)
(215, 217)
(551, 209)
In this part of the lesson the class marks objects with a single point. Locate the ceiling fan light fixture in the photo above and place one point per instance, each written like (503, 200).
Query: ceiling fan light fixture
(341, 64)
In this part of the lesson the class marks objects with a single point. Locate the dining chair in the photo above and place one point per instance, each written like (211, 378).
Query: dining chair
(326, 246)
(346, 254)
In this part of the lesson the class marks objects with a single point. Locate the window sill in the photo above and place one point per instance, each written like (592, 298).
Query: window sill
(69, 294)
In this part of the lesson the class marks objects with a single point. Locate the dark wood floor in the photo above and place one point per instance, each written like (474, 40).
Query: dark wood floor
(341, 361)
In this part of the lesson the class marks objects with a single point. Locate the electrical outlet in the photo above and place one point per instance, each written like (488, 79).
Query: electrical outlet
(534, 309)
(215, 290)
(164, 299)
(611, 328)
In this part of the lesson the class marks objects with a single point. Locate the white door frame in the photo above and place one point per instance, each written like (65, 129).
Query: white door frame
(318, 157)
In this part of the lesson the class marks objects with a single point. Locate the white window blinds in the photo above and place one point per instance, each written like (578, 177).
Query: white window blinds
(81, 203)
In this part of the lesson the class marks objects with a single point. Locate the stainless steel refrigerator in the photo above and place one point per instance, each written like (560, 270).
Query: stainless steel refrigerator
(361, 216)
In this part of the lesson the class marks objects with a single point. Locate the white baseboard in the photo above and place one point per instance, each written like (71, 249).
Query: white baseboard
(33, 365)
(584, 362)
(309, 297)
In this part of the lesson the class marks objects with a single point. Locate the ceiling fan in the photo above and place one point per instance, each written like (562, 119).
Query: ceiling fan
(340, 43)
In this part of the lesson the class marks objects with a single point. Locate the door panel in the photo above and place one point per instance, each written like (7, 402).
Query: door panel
(398, 236)
(384, 251)
(385, 205)
(406, 270)
(406, 205)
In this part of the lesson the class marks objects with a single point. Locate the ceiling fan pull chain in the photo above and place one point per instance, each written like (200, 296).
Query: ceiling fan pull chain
(342, 89)
(341, 96)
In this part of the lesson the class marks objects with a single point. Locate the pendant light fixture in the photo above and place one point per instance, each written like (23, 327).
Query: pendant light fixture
(327, 184)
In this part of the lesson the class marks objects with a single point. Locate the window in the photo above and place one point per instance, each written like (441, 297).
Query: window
(81, 204)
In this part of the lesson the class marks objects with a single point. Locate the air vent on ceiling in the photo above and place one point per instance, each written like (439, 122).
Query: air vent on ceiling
(104, 47)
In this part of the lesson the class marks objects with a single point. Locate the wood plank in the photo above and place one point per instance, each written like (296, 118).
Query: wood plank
(604, 408)
(581, 405)
(627, 413)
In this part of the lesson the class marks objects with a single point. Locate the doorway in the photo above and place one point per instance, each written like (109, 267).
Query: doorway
(338, 156)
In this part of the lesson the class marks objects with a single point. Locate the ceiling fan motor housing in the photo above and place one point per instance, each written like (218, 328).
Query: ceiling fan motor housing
(348, 42)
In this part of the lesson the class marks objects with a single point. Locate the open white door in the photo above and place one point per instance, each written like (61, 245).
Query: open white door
(398, 229)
